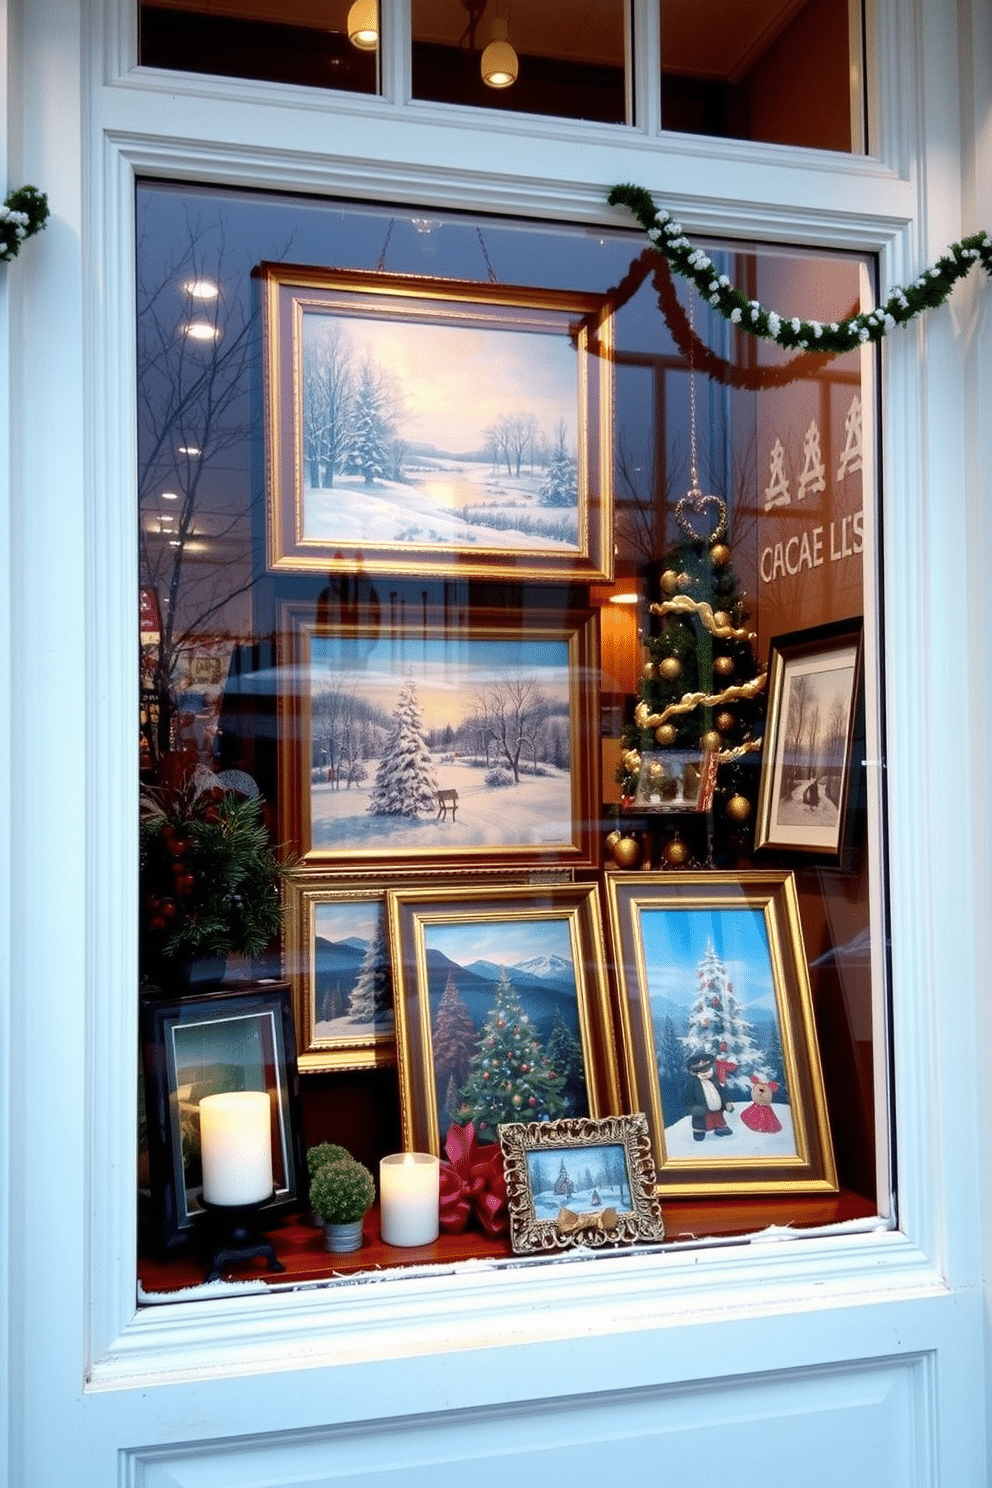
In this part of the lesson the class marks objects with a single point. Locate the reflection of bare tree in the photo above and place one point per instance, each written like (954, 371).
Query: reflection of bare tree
(835, 746)
(193, 374)
(509, 714)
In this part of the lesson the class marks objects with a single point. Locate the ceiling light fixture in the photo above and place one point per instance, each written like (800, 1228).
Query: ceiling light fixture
(187, 449)
(170, 495)
(201, 330)
(201, 289)
(499, 60)
(363, 25)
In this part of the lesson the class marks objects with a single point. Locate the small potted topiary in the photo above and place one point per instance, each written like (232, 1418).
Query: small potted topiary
(324, 1152)
(341, 1191)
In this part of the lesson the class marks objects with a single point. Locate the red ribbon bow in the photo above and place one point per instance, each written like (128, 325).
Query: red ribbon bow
(472, 1182)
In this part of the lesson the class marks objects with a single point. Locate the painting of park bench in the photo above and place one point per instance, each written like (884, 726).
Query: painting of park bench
(438, 743)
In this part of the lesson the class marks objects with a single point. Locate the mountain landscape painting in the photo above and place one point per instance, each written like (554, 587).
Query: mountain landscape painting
(504, 1022)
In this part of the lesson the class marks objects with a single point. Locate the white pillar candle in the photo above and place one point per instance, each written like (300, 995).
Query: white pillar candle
(236, 1147)
(409, 1196)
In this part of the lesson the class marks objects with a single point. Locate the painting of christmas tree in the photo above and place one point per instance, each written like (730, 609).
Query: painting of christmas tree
(352, 992)
(711, 990)
(504, 1022)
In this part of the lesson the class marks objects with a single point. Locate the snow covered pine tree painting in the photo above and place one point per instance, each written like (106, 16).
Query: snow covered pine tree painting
(700, 1017)
(439, 742)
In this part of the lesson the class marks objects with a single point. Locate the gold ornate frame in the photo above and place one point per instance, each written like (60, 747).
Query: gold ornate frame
(518, 908)
(624, 1149)
(570, 639)
(381, 302)
(769, 899)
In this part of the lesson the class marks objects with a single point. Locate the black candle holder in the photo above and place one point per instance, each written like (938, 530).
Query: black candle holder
(233, 1236)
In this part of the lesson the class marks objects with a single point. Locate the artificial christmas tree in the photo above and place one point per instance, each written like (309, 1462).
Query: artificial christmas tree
(691, 747)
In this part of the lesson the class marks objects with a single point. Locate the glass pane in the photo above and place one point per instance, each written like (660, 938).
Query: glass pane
(534, 56)
(788, 72)
(375, 522)
(321, 43)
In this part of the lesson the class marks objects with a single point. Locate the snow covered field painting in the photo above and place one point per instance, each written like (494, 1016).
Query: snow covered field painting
(460, 427)
(582, 1179)
(444, 744)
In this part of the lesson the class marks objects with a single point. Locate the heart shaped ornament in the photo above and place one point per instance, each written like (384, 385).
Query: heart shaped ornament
(702, 518)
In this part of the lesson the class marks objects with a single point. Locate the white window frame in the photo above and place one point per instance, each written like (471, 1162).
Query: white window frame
(127, 122)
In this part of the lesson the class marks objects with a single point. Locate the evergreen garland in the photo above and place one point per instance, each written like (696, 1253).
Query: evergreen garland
(929, 290)
(24, 213)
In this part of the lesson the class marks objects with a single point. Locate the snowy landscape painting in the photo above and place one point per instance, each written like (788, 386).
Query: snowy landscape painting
(718, 1025)
(582, 1179)
(442, 744)
(464, 427)
(813, 691)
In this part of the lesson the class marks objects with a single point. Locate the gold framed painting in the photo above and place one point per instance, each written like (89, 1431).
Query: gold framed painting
(580, 1182)
(502, 1007)
(718, 1031)
(439, 743)
(336, 956)
(437, 426)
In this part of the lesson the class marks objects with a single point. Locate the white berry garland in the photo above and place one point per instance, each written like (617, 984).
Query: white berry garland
(928, 290)
(23, 214)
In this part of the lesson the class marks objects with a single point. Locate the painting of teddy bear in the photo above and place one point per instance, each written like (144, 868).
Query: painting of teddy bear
(717, 1036)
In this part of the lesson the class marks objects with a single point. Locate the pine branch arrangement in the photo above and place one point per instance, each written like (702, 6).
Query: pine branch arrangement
(24, 213)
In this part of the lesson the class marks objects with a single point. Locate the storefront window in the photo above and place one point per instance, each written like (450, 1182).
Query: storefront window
(520, 603)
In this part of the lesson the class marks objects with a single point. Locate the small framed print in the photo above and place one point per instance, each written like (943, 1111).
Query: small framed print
(437, 427)
(501, 1007)
(580, 1182)
(445, 743)
(337, 959)
(814, 722)
(199, 1045)
(718, 1032)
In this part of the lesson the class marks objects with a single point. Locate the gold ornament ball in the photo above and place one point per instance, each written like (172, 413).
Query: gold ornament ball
(719, 554)
(665, 734)
(739, 808)
(670, 668)
(683, 581)
(675, 853)
(612, 839)
(648, 669)
(627, 852)
(721, 618)
(711, 741)
(723, 666)
(655, 770)
(669, 581)
(725, 721)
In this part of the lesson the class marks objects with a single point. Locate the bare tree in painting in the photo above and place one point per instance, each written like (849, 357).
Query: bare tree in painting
(328, 396)
(510, 713)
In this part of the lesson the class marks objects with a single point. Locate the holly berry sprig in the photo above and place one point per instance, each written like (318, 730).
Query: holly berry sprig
(209, 878)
